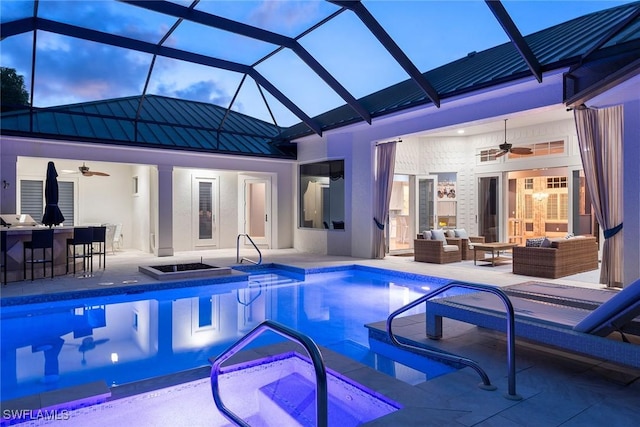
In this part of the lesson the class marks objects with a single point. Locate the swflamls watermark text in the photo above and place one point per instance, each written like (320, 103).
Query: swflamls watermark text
(36, 414)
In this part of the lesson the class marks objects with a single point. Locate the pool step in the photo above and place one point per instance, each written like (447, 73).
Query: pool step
(293, 398)
(271, 279)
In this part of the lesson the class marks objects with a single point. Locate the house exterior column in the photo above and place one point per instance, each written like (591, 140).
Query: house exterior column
(164, 224)
(631, 195)
(8, 183)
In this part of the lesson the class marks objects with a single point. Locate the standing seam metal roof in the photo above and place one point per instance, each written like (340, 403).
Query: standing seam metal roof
(163, 123)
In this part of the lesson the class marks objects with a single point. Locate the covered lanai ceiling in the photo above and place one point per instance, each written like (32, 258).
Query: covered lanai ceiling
(302, 66)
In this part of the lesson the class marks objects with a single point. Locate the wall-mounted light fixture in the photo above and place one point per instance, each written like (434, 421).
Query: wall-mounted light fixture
(5, 184)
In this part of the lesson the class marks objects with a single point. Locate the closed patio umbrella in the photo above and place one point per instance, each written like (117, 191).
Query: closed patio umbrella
(52, 215)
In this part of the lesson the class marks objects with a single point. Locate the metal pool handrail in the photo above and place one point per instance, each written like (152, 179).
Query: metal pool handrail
(486, 383)
(238, 259)
(322, 415)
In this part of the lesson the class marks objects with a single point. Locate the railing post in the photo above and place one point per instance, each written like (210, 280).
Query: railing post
(238, 259)
(322, 399)
(511, 343)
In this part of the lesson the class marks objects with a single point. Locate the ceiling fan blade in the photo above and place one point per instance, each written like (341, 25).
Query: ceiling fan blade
(99, 173)
(523, 151)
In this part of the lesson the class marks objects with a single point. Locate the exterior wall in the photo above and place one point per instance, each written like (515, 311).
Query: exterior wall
(431, 155)
(305, 239)
(111, 199)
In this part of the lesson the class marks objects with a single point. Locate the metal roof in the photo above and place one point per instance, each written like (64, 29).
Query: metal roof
(612, 33)
(156, 122)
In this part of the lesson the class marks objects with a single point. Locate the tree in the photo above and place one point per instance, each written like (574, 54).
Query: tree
(14, 92)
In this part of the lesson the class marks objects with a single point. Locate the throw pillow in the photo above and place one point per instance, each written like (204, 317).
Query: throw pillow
(568, 236)
(438, 235)
(450, 233)
(461, 233)
(534, 243)
(546, 243)
(426, 235)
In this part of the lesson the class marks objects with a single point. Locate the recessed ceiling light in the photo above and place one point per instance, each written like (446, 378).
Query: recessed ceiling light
(460, 131)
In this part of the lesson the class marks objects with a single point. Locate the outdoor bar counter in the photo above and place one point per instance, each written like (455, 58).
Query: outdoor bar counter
(15, 238)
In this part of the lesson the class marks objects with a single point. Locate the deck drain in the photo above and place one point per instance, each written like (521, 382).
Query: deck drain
(105, 283)
(126, 282)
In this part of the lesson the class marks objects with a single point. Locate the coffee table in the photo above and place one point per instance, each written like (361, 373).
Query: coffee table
(495, 249)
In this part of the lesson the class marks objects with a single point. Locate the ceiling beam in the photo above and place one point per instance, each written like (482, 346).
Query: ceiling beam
(16, 27)
(235, 27)
(514, 34)
(387, 41)
(168, 52)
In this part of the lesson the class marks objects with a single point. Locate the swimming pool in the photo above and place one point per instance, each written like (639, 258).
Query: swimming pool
(130, 337)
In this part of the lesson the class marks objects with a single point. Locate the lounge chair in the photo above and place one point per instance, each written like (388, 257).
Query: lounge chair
(574, 296)
(575, 329)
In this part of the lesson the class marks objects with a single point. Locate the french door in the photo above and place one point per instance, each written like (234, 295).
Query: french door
(205, 208)
(257, 210)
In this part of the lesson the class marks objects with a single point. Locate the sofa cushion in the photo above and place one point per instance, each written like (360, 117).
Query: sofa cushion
(450, 248)
(461, 233)
(426, 234)
(534, 243)
(438, 235)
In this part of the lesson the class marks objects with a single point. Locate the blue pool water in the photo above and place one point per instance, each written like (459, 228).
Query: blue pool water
(130, 337)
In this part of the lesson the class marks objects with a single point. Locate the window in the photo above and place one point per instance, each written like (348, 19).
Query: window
(528, 206)
(528, 184)
(557, 182)
(32, 199)
(322, 195)
(557, 206)
(488, 155)
(541, 149)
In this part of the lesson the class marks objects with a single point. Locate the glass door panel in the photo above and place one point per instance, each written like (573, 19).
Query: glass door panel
(257, 211)
(205, 208)
(488, 208)
(398, 234)
(427, 196)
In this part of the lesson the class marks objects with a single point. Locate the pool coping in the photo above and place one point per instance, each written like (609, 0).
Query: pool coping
(239, 273)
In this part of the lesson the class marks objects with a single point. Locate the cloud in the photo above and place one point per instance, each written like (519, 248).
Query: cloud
(70, 70)
(203, 91)
(288, 14)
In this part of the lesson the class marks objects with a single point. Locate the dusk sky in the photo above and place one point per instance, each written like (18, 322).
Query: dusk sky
(431, 33)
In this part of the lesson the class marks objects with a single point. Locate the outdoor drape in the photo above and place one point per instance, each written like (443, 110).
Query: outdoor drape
(600, 139)
(385, 164)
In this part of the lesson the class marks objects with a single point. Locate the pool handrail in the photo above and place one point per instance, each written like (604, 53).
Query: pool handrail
(238, 259)
(486, 383)
(322, 399)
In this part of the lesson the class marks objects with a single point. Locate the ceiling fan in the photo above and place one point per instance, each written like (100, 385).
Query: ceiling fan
(506, 147)
(84, 170)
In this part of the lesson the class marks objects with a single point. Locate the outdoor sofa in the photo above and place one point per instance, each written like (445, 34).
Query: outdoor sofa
(557, 258)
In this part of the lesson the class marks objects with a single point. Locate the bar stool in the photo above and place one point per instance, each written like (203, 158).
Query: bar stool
(3, 251)
(40, 239)
(82, 236)
(100, 242)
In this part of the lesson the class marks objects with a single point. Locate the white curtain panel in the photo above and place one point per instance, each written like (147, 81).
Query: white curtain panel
(385, 164)
(600, 139)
